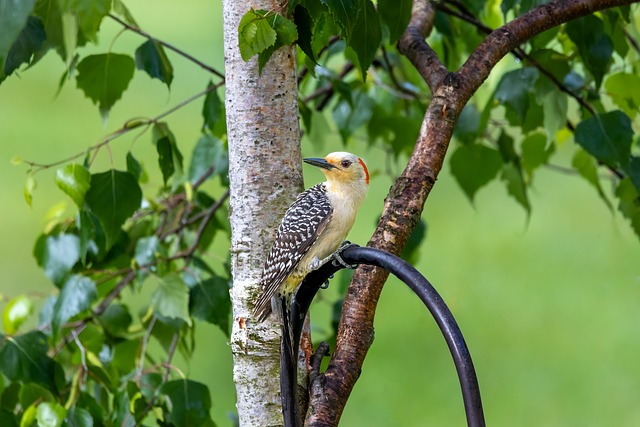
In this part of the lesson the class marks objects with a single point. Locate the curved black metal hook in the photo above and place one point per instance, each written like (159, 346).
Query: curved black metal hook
(423, 289)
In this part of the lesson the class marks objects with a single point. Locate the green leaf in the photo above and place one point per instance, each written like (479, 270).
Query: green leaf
(254, 34)
(345, 13)
(634, 172)
(18, 309)
(134, 167)
(594, 45)
(349, 118)
(89, 14)
(169, 156)
(513, 90)
(87, 224)
(121, 415)
(286, 35)
(624, 90)
(29, 187)
(57, 255)
(146, 250)
(171, 298)
(366, 36)
(214, 114)
(629, 203)
(51, 14)
(208, 153)
(76, 296)
(31, 393)
(78, 417)
(116, 320)
(50, 414)
(29, 41)
(467, 125)
(122, 10)
(8, 418)
(507, 148)
(323, 30)
(209, 300)
(555, 106)
(395, 14)
(286, 30)
(74, 180)
(304, 22)
(113, 197)
(535, 153)
(104, 78)
(516, 187)
(189, 403)
(474, 166)
(607, 137)
(587, 167)
(151, 57)
(70, 35)
(13, 18)
(24, 358)
(89, 403)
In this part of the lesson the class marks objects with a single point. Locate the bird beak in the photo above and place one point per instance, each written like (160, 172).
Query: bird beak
(321, 163)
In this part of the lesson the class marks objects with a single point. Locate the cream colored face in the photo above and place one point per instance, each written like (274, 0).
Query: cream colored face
(346, 167)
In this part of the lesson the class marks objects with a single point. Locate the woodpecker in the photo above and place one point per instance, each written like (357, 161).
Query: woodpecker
(313, 227)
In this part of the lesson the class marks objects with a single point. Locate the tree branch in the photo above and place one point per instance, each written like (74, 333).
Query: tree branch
(511, 35)
(405, 201)
(517, 52)
(412, 44)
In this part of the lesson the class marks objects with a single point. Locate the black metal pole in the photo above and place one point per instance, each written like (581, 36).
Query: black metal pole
(427, 294)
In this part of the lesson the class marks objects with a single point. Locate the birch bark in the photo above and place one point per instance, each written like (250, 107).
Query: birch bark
(265, 175)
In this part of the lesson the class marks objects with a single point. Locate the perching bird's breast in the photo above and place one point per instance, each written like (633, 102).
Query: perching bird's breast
(342, 219)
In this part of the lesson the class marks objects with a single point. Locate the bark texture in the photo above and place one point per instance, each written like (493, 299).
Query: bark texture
(405, 201)
(265, 175)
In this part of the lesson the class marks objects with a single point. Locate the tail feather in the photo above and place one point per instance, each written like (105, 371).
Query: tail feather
(262, 309)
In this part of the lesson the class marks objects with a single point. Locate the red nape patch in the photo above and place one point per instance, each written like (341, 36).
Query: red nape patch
(366, 171)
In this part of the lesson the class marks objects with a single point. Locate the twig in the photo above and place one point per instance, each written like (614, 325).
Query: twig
(126, 128)
(145, 341)
(203, 224)
(394, 80)
(167, 45)
(170, 353)
(304, 71)
(316, 360)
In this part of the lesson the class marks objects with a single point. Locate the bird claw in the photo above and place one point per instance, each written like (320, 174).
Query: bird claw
(337, 259)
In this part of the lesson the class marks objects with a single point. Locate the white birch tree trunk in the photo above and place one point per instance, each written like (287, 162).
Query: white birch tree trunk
(265, 175)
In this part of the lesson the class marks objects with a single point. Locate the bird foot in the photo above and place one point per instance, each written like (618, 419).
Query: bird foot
(337, 259)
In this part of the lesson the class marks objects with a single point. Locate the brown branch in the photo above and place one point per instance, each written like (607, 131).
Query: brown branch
(511, 35)
(412, 44)
(404, 203)
(517, 52)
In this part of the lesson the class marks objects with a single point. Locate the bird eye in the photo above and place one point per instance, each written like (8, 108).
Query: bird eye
(346, 163)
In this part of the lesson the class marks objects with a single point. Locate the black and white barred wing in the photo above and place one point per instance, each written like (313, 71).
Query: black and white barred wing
(302, 224)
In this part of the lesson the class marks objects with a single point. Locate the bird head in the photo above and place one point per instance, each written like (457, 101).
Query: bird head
(341, 167)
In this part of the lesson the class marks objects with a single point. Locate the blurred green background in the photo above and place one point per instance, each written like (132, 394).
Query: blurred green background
(549, 305)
